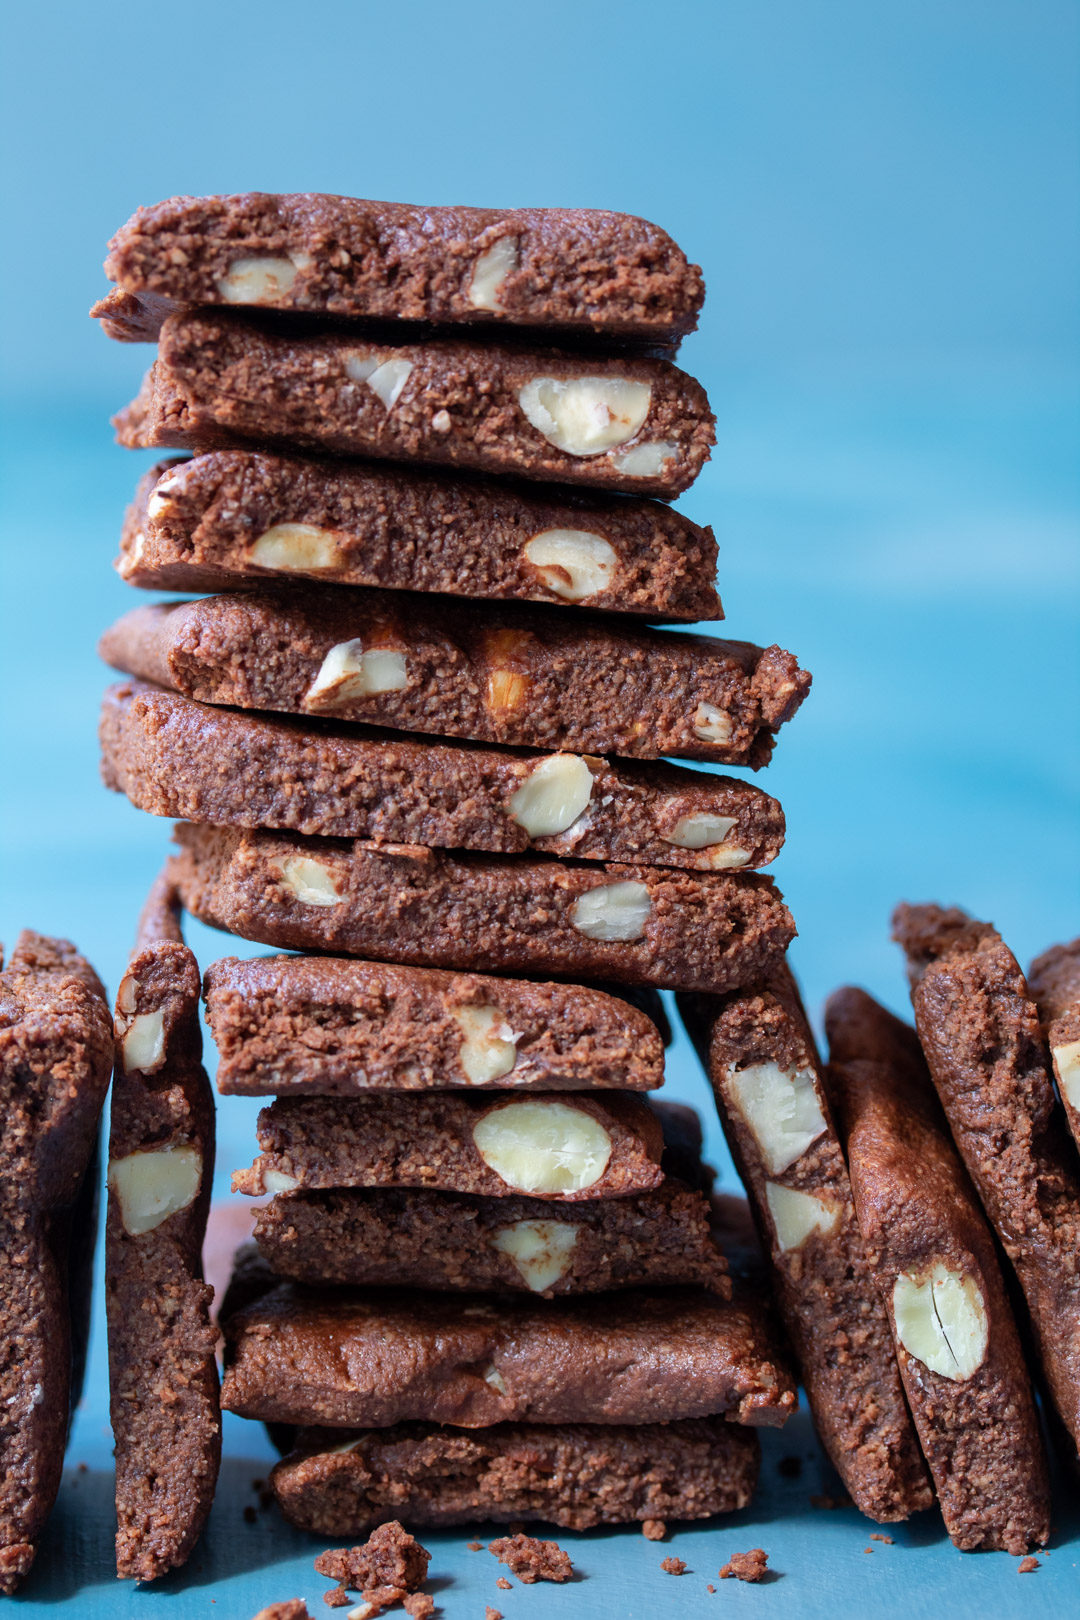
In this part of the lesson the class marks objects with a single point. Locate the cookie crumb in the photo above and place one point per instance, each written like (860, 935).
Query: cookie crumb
(673, 1566)
(503, 1584)
(653, 1529)
(1026, 1565)
(710, 1587)
(532, 1560)
(747, 1566)
(290, 1609)
(876, 1536)
(389, 1559)
(474, 1546)
(419, 1605)
(377, 1598)
(336, 1598)
(868, 1549)
(492, 1614)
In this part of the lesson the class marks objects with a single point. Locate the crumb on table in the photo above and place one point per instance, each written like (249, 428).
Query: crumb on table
(877, 1536)
(389, 1558)
(503, 1584)
(492, 1614)
(419, 1606)
(532, 1560)
(1026, 1565)
(290, 1609)
(336, 1597)
(747, 1566)
(673, 1566)
(653, 1529)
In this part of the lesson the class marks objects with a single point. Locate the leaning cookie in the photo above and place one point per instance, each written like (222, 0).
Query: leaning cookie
(758, 1051)
(234, 518)
(1054, 982)
(162, 1371)
(500, 673)
(56, 1050)
(935, 1266)
(175, 757)
(636, 426)
(499, 913)
(980, 1032)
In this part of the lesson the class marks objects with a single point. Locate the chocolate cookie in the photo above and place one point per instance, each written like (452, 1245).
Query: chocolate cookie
(333, 1026)
(638, 426)
(162, 1371)
(759, 1053)
(56, 1050)
(174, 757)
(501, 674)
(980, 1032)
(935, 1265)
(573, 1475)
(235, 518)
(514, 914)
(565, 1146)
(1054, 982)
(581, 270)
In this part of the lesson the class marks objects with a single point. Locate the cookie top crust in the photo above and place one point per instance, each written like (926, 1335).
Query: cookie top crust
(1054, 982)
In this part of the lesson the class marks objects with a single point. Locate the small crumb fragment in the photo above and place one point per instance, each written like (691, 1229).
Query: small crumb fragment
(710, 1587)
(1027, 1565)
(673, 1566)
(492, 1614)
(888, 1540)
(250, 1515)
(419, 1605)
(389, 1559)
(291, 1609)
(532, 1560)
(378, 1598)
(503, 1584)
(747, 1566)
(868, 1549)
(790, 1467)
(653, 1529)
(336, 1598)
(474, 1546)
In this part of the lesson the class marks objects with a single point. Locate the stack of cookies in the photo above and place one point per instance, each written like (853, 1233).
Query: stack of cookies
(417, 729)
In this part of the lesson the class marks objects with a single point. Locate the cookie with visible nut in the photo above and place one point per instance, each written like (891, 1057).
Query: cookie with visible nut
(162, 1369)
(1054, 981)
(509, 913)
(759, 1053)
(174, 756)
(500, 673)
(234, 518)
(934, 1262)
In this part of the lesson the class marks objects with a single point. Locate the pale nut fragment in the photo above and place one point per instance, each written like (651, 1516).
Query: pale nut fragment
(491, 269)
(349, 672)
(612, 911)
(309, 881)
(574, 563)
(153, 1185)
(543, 1147)
(488, 1046)
(507, 687)
(542, 1251)
(712, 724)
(137, 549)
(645, 460)
(584, 416)
(300, 546)
(940, 1319)
(553, 795)
(385, 378)
(1067, 1066)
(781, 1108)
(699, 831)
(261, 279)
(143, 1046)
(495, 1378)
(127, 994)
(796, 1214)
(278, 1181)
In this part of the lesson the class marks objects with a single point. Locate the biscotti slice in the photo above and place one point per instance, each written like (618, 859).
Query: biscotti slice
(577, 1476)
(636, 426)
(56, 1051)
(371, 1358)
(235, 518)
(758, 1051)
(566, 1146)
(497, 673)
(980, 1032)
(501, 913)
(175, 757)
(936, 1269)
(335, 1026)
(1054, 982)
(162, 1369)
(582, 270)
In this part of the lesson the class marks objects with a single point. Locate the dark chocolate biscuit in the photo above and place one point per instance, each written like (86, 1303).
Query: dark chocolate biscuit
(56, 1050)
(980, 1031)
(162, 1370)
(502, 913)
(760, 1056)
(574, 1475)
(334, 1026)
(236, 518)
(635, 425)
(581, 270)
(503, 674)
(935, 1265)
(1054, 982)
(176, 757)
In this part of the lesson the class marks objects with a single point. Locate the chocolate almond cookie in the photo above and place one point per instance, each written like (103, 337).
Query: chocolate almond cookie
(334, 1026)
(56, 1050)
(980, 1032)
(574, 1475)
(581, 270)
(502, 674)
(515, 914)
(174, 757)
(935, 1265)
(1054, 982)
(373, 1358)
(759, 1053)
(449, 1241)
(235, 518)
(573, 1145)
(635, 425)
(162, 1369)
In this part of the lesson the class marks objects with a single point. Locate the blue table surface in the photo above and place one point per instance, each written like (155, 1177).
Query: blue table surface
(912, 535)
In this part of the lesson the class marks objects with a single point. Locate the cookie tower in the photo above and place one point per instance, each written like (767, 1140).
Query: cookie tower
(418, 733)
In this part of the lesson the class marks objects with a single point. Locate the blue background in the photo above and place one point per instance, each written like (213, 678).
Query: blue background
(884, 201)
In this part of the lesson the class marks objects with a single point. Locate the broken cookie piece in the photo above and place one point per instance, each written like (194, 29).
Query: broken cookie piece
(390, 1557)
(747, 1566)
(532, 1560)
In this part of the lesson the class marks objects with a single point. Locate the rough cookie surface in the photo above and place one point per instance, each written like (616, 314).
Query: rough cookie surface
(390, 1557)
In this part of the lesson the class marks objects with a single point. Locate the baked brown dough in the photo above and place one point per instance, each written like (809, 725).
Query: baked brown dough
(1054, 982)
